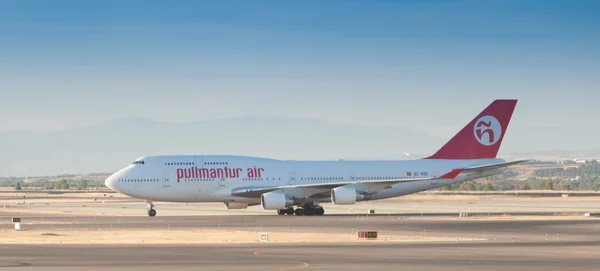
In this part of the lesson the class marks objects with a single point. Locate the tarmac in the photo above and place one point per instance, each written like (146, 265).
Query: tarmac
(572, 244)
(552, 255)
(63, 237)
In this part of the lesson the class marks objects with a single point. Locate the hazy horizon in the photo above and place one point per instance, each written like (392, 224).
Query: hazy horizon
(109, 146)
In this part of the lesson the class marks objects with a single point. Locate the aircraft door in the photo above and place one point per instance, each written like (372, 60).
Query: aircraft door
(292, 180)
(222, 182)
(165, 180)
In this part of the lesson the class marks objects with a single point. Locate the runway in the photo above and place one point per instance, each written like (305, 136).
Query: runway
(503, 243)
(100, 232)
(453, 256)
(576, 229)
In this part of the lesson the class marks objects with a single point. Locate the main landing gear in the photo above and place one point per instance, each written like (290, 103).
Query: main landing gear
(304, 210)
(151, 211)
(288, 211)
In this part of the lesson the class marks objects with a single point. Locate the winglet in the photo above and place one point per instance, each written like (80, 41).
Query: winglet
(451, 175)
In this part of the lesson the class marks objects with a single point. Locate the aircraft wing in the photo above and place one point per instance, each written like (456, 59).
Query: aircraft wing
(253, 192)
(478, 169)
(257, 191)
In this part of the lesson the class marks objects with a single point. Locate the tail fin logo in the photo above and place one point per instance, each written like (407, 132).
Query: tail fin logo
(487, 130)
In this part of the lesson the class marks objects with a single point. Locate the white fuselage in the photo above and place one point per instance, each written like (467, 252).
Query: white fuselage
(211, 178)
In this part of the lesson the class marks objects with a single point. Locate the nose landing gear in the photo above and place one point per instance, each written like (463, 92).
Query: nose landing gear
(151, 211)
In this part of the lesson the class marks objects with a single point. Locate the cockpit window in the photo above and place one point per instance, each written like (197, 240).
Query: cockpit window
(138, 162)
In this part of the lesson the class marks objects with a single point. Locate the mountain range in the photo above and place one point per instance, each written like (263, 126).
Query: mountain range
(111, 145)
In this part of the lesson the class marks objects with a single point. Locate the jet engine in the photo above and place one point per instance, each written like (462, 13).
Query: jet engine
(343, 195)
(275, 201)
(347, 195)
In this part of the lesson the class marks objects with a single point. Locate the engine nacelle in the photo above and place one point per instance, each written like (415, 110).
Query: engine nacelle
(236, 205)
(343, 195)
(275, 201)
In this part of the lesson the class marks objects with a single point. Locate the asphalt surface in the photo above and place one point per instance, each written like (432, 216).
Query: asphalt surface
(576, 229)
(513, 244)
(467, 256)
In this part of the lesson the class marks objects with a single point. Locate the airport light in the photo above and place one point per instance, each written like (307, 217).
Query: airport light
(17, 222)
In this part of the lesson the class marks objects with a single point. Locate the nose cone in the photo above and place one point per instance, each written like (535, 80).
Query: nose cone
(111, 182)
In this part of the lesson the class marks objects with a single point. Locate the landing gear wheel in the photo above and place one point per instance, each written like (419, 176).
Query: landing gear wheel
(319, 211)
(299, 211)
(281, 211)
(151, 211)
(309, 211)
(289, 211)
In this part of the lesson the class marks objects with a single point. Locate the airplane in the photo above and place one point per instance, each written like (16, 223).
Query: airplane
(300, 187)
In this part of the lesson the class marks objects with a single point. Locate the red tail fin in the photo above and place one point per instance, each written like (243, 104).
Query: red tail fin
(481, 138)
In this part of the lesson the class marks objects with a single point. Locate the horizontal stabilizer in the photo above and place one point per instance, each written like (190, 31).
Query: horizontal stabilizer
(478, 169)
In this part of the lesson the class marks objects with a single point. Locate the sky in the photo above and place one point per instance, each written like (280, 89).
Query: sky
(426, 65)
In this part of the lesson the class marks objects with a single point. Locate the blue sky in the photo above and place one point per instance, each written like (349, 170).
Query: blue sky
(426, 65)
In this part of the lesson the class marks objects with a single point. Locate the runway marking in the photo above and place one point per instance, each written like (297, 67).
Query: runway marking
(16, 265)
(303, 266)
